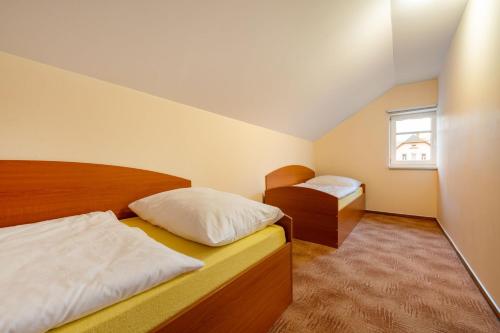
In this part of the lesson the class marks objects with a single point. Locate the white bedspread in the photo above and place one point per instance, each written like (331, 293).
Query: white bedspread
(57, 271)
(335, 190)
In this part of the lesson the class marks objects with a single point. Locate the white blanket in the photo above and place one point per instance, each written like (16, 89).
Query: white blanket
(335, 190)
(57, 271)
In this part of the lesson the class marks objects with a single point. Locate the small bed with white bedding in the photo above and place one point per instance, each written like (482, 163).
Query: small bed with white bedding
(325, 209)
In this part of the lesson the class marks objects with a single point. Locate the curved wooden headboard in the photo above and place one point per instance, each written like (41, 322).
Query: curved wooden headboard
(288, 175)
(32, 191)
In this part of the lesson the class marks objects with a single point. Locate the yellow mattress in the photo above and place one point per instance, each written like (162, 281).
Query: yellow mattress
(350, 198)
(145, 311)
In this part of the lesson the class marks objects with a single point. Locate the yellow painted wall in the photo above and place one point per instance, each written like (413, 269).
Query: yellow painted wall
(51, 114)
(469, 141)
(359, 148)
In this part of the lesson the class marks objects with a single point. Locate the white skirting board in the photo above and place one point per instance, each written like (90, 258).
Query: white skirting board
(473, 274)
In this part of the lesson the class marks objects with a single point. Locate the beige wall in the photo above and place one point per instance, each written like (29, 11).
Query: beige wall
(51, 114)
(358, 148)
(469, 141)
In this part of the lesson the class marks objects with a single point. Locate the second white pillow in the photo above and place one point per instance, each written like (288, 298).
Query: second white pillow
(335, 180)
(205, 215)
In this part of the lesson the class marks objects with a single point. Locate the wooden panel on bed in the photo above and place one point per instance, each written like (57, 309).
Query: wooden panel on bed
(314, 213)
(249, 303)
(286, 223)
(349, 217)
(288, 175)
(32, 191)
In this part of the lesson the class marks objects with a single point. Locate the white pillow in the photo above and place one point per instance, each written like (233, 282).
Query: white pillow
(335, 190)
(205, 215)
(335, 180)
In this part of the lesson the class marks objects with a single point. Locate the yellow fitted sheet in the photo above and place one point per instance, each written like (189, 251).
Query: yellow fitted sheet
(145, 311)
(350, 198)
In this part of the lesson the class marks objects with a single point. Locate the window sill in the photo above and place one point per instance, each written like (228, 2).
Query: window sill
(413, 167)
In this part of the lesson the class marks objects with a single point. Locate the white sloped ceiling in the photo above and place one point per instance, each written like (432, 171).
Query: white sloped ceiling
(298, 67)
(422, 32)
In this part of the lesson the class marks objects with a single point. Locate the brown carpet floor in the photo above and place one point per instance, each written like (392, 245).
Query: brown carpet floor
(392, 274)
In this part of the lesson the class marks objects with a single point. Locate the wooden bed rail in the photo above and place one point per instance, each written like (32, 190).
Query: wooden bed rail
(286, 223)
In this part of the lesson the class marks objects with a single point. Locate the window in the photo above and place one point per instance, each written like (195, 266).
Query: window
(413, 138)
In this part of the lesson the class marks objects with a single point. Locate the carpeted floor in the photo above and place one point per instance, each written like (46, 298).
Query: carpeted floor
(392, 274)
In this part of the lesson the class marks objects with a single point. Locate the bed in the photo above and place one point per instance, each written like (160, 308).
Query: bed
(243, 287)
(318, 216)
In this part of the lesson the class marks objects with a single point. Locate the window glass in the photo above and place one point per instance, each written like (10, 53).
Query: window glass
(414, 125)
(414, 145)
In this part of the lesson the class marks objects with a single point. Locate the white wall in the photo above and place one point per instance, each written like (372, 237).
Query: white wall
(358, 148)
(469, 141)
(51, 114)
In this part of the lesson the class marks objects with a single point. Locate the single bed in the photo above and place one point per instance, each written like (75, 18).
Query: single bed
(243, 287)
(318, 216)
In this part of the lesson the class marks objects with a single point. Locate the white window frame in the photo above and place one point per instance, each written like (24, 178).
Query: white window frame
(411, 114)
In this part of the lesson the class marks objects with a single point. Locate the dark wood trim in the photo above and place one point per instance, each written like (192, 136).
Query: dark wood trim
(474, 277)
(401, 215)
(250, 302)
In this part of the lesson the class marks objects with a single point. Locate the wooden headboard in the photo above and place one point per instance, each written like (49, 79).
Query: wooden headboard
(288, 175)
(32, 191)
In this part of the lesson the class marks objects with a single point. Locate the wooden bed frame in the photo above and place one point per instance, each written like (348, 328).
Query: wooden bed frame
(32, 191)
(315, 214)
